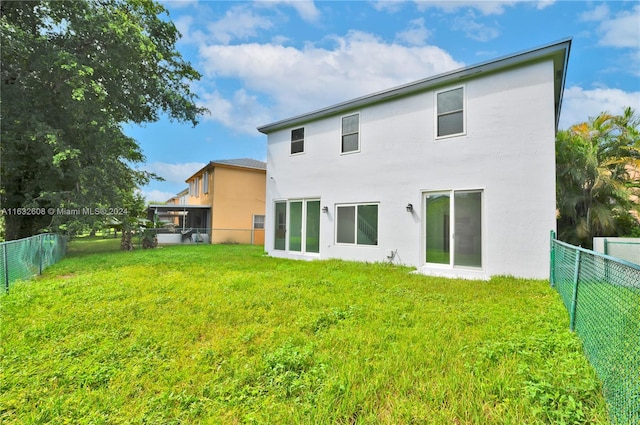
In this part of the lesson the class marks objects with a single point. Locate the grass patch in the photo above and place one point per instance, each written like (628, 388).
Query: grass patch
(223, 334)
(88, 245)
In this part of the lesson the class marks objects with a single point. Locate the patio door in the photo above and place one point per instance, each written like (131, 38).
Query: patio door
(280, 226)
(453, 223)
(297, 225)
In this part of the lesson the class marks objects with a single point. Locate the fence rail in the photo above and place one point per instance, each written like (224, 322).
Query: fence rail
(208, 235)
(602, 296)
(627, 249)
(24, 258)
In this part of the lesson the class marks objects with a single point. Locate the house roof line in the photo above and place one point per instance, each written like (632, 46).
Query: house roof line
(560, 47)
(234, 163)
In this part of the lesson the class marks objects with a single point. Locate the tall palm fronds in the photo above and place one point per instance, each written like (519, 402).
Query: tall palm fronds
(597, 176)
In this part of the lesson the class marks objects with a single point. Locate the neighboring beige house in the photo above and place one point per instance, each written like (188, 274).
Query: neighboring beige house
(224, 203)
(180, 198)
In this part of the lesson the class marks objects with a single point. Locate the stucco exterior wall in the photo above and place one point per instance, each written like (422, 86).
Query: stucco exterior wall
(238, 195)
(201, 197)
(507, 152)
(627, 249)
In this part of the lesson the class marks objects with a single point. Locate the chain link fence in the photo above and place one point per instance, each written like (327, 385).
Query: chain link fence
(24, 258)
(602, 295)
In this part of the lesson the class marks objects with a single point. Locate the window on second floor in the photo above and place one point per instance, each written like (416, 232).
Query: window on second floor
(350, 133)
(195, 187)
(297, 140)
(450, 112)
(205, 182)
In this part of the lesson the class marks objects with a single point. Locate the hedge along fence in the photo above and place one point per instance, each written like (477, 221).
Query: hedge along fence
(24, 258)
(602, 295)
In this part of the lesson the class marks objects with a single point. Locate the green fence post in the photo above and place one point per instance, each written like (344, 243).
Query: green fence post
(574, 300)
(552, 266)
(6, 267)
(41, 253)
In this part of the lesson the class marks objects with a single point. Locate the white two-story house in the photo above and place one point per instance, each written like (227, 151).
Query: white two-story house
(453, 174)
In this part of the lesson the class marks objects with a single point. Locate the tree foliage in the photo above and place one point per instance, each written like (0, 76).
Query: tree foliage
(73, 72)
(598, 177)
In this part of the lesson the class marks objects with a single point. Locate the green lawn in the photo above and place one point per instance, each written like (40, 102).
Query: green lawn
(223, 334)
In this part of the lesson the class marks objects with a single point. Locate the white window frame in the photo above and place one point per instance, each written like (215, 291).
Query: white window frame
(304, 135)
(276, 223)
(196, 187)
(257, 223)
(205, 182)
(355, 229)
(452, 242)
(342, 134)
(437, 115)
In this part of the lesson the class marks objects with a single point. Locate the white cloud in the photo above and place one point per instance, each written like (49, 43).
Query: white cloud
(305, 8)
(184, 25)
(391, 6)
(242, 113)
(238, 23)
(300, 80)
(543, 4)
(579, 104)
(416, 34)
(174, 173)
(598, 13)
(485, 7)
(474, 29)
(179, 4)
(620, 30)
(623, 30)
(156, 195)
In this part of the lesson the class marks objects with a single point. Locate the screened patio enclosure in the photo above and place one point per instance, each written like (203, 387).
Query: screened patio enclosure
(181, 216)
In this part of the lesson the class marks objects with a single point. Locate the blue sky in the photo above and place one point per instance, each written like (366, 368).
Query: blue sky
(263, 61)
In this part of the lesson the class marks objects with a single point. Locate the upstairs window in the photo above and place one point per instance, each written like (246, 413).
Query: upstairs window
(351, 133)
(297, 140)
(194, 187)
(205, 182)
(450, 112)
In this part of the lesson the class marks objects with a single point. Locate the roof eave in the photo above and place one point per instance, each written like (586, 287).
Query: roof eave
(550, 50)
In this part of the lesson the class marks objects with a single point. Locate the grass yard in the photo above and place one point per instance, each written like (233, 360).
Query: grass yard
(222, 334)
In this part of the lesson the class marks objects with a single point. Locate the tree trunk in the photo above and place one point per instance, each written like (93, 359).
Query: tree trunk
(126, 244)
(23, 226)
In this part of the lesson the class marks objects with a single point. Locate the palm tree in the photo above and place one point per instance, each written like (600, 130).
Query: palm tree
(597, 176)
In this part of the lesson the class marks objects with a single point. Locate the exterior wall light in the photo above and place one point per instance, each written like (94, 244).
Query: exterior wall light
(409, 207)
(325, 209)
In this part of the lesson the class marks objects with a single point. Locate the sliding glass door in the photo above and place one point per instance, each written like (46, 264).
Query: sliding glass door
(438, 210)
(312, 227)
(456, 242)
(280, 241)
(468, 229)
(297, 226)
